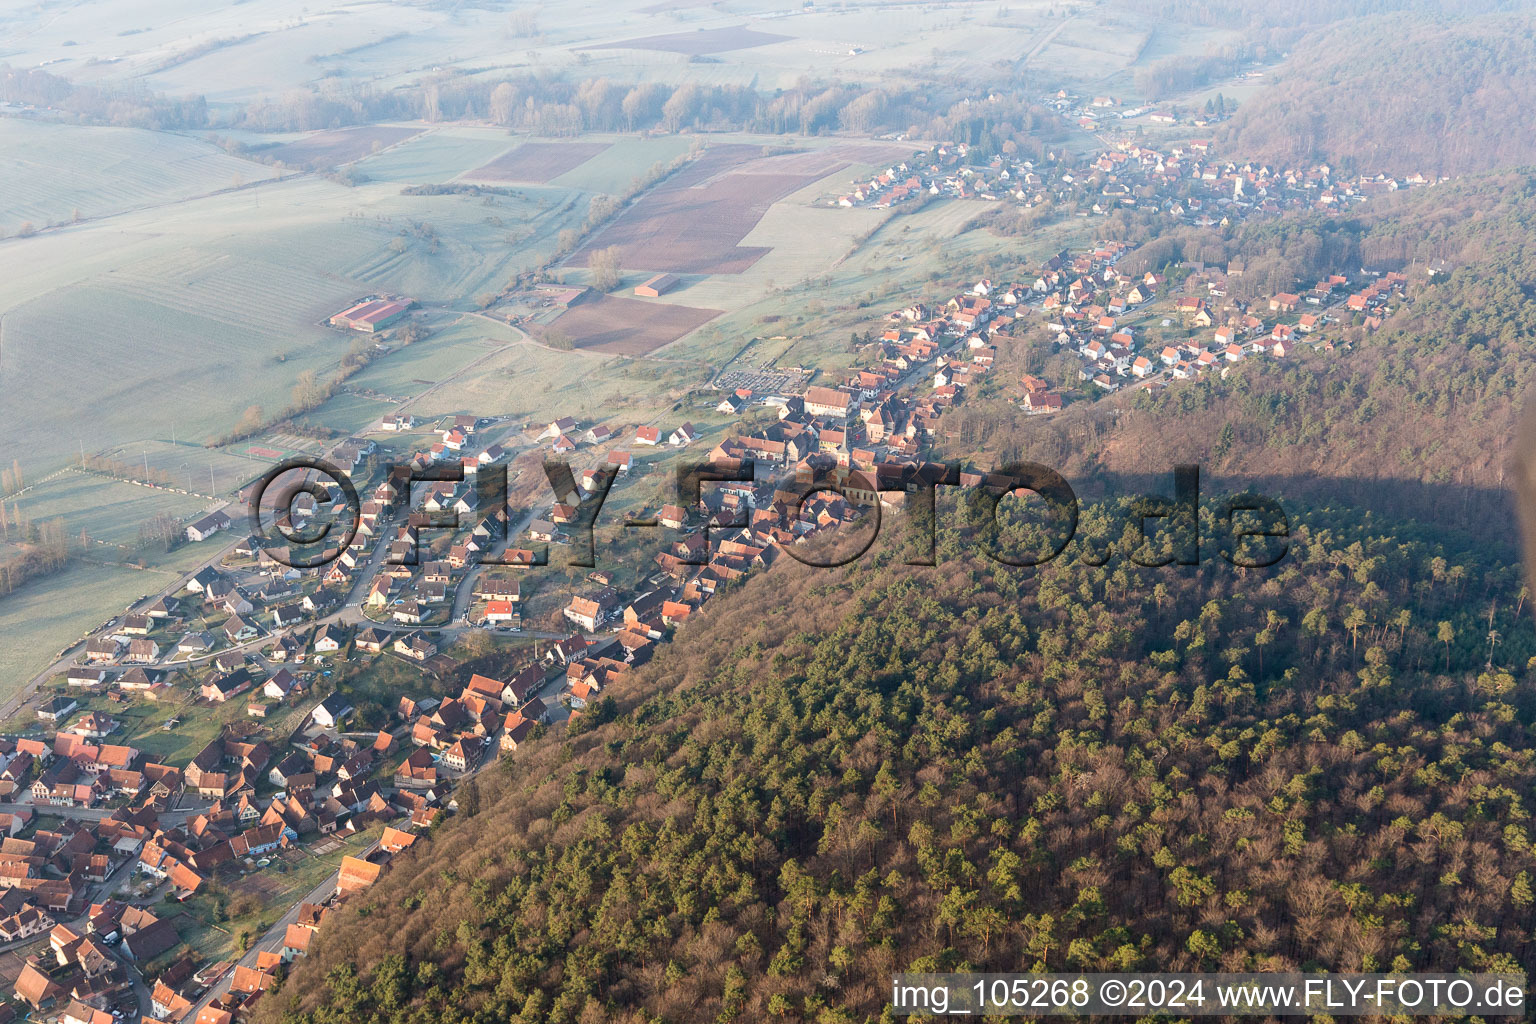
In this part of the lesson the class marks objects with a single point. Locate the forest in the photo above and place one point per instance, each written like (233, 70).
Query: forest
(841, 774)
(1398, 94)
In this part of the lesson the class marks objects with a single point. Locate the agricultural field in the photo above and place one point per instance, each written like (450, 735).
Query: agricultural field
(241, 53)
(437, 156)
(900, 259)
(631, 327)
(694, 222)
(599, 163)
(412, 370)
(537, 162)
(179, 370)
(452, 248)
(530, 383)
(349, 413)
(614, 170)
(334, 148)
(700, 43)
(54, 172)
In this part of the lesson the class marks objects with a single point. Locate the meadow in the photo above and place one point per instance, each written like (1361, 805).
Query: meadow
(55, 174)
(534, 384)
(109, 511)
(411, 370)
(437, 156)
(51, 614)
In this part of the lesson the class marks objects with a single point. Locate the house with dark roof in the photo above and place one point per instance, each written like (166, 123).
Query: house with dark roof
(332, 711)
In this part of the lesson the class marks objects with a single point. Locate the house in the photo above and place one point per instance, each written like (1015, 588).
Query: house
(516, 729)
(296, 941)
(56, 709)
(150, 941)
(227, 685)
(142, 651)
(167, 1003)
(24, 924)
(465, 754)
(328, 639)
(649, 436)
(683, 436)
(102, 649)
(592, 610)
(94, 725)
(194, 643)
(36, 988)
(416, 647)
(207, 526)
(372, 640)
(1041, 402)
(621, 461)
(394, 840)
(280, 685)
(239, 629)
(500, 613)
(356, 875)
(557, 427)
(418, 771)
(332, 711)
(829, 403)
(86, 677)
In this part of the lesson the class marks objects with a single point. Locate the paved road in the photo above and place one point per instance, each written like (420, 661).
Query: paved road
(272, 939)
(175, 816)
(464, 596)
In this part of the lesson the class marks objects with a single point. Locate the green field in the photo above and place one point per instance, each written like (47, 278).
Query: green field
(53, 172)
(348, 413)
(614, 170)
(411, 370)
(109, 511)
(437, 156)
(536, 384)
(52, 613)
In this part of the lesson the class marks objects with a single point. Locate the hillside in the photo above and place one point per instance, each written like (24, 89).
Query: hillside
(842, 774)
(1398, 94)
(1416, 417)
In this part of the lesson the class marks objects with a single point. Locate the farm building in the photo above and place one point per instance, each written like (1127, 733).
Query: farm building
(372, 314)
(657, 286)
(561, 295)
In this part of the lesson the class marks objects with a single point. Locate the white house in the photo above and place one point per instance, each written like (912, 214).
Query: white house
(207, 526)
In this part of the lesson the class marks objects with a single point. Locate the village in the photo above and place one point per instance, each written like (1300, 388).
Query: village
(262, 717)
(1181, 179)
